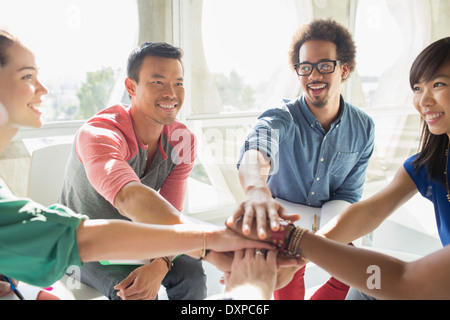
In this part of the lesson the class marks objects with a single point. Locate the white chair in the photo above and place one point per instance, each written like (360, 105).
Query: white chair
(47, 169)
(48, 165)
(73, 289)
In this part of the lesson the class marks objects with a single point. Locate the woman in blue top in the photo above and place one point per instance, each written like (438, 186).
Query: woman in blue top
(426, 171)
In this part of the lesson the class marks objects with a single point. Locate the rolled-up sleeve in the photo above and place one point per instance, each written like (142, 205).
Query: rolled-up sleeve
(37, 243)
(265, 136)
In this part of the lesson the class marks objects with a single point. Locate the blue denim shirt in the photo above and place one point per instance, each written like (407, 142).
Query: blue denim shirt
(308, 165)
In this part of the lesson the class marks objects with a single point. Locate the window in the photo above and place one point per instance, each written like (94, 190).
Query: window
(239, 67)
(246, 53)
(386, 50)
(81, 48)
(236, 66)
(237, 57)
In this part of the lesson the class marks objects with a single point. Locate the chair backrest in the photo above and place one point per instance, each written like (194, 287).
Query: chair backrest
(48, 166)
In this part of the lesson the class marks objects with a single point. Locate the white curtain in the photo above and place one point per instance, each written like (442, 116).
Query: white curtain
(397, 123)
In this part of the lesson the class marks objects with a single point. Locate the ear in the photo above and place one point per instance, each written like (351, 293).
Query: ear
(345, 71)
(130, 86)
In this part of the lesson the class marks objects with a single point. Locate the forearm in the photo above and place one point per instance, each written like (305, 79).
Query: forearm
(117, 239)
(140, 203)
(100, 240)
(253, 171)
(365, 216)
(379, 275)
(354, 222)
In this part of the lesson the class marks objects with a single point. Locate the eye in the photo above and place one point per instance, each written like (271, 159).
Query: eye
(439, 84)
(305, 68)
(416, 88)
(325, 66)
(27, 77)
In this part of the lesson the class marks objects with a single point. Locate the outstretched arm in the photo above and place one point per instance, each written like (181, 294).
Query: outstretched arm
(98, 240)
(426, 278)
(365, 216)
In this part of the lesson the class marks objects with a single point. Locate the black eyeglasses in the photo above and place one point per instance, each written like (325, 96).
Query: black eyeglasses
(324, 67)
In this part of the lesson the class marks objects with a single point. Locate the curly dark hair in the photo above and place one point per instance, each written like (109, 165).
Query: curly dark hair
(328, 30)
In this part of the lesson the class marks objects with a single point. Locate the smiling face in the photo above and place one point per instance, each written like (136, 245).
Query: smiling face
(321, 90)
(432, 101)
(20, 90)
(159, 94)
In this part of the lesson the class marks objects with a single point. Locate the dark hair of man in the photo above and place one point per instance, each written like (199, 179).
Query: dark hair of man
(327, 30)
(156, 49)
(6, 40)
(432, 147)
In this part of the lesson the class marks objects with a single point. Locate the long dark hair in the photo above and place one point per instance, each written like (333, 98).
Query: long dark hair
(432, 147)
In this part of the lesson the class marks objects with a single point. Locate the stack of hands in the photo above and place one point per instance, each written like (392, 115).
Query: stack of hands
(260, 272)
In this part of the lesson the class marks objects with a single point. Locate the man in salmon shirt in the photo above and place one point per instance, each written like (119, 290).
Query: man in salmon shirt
(133, 162)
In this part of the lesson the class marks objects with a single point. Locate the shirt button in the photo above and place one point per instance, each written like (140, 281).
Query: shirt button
(322, 159)
(318, 179)
(313, 193)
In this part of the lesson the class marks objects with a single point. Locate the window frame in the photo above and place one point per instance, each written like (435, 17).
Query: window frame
(180, 22)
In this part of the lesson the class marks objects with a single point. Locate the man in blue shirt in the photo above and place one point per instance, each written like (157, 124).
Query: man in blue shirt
(310, 151)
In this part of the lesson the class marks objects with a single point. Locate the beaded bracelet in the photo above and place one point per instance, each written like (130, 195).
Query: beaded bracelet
(294, 243)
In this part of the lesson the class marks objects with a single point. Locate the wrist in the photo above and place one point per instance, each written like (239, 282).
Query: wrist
(294, 246)
(282, 237)
(165, 263)
(288, 238)
(258, 187)
(204, 251)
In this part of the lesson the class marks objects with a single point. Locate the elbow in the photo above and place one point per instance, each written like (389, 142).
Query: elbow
(85, 243)
(95, 239)
(126, 198)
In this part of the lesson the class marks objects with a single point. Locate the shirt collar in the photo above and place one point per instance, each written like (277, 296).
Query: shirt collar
(301, 106)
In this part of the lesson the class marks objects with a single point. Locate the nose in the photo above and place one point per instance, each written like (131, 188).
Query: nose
(169, 92)
(426, 99)
(41, 88)
(315, 74)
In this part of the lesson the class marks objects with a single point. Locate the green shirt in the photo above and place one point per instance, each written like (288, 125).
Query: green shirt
(37, 243)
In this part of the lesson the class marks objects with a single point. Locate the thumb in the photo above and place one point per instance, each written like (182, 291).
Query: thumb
(5, 288)
(125, 283)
